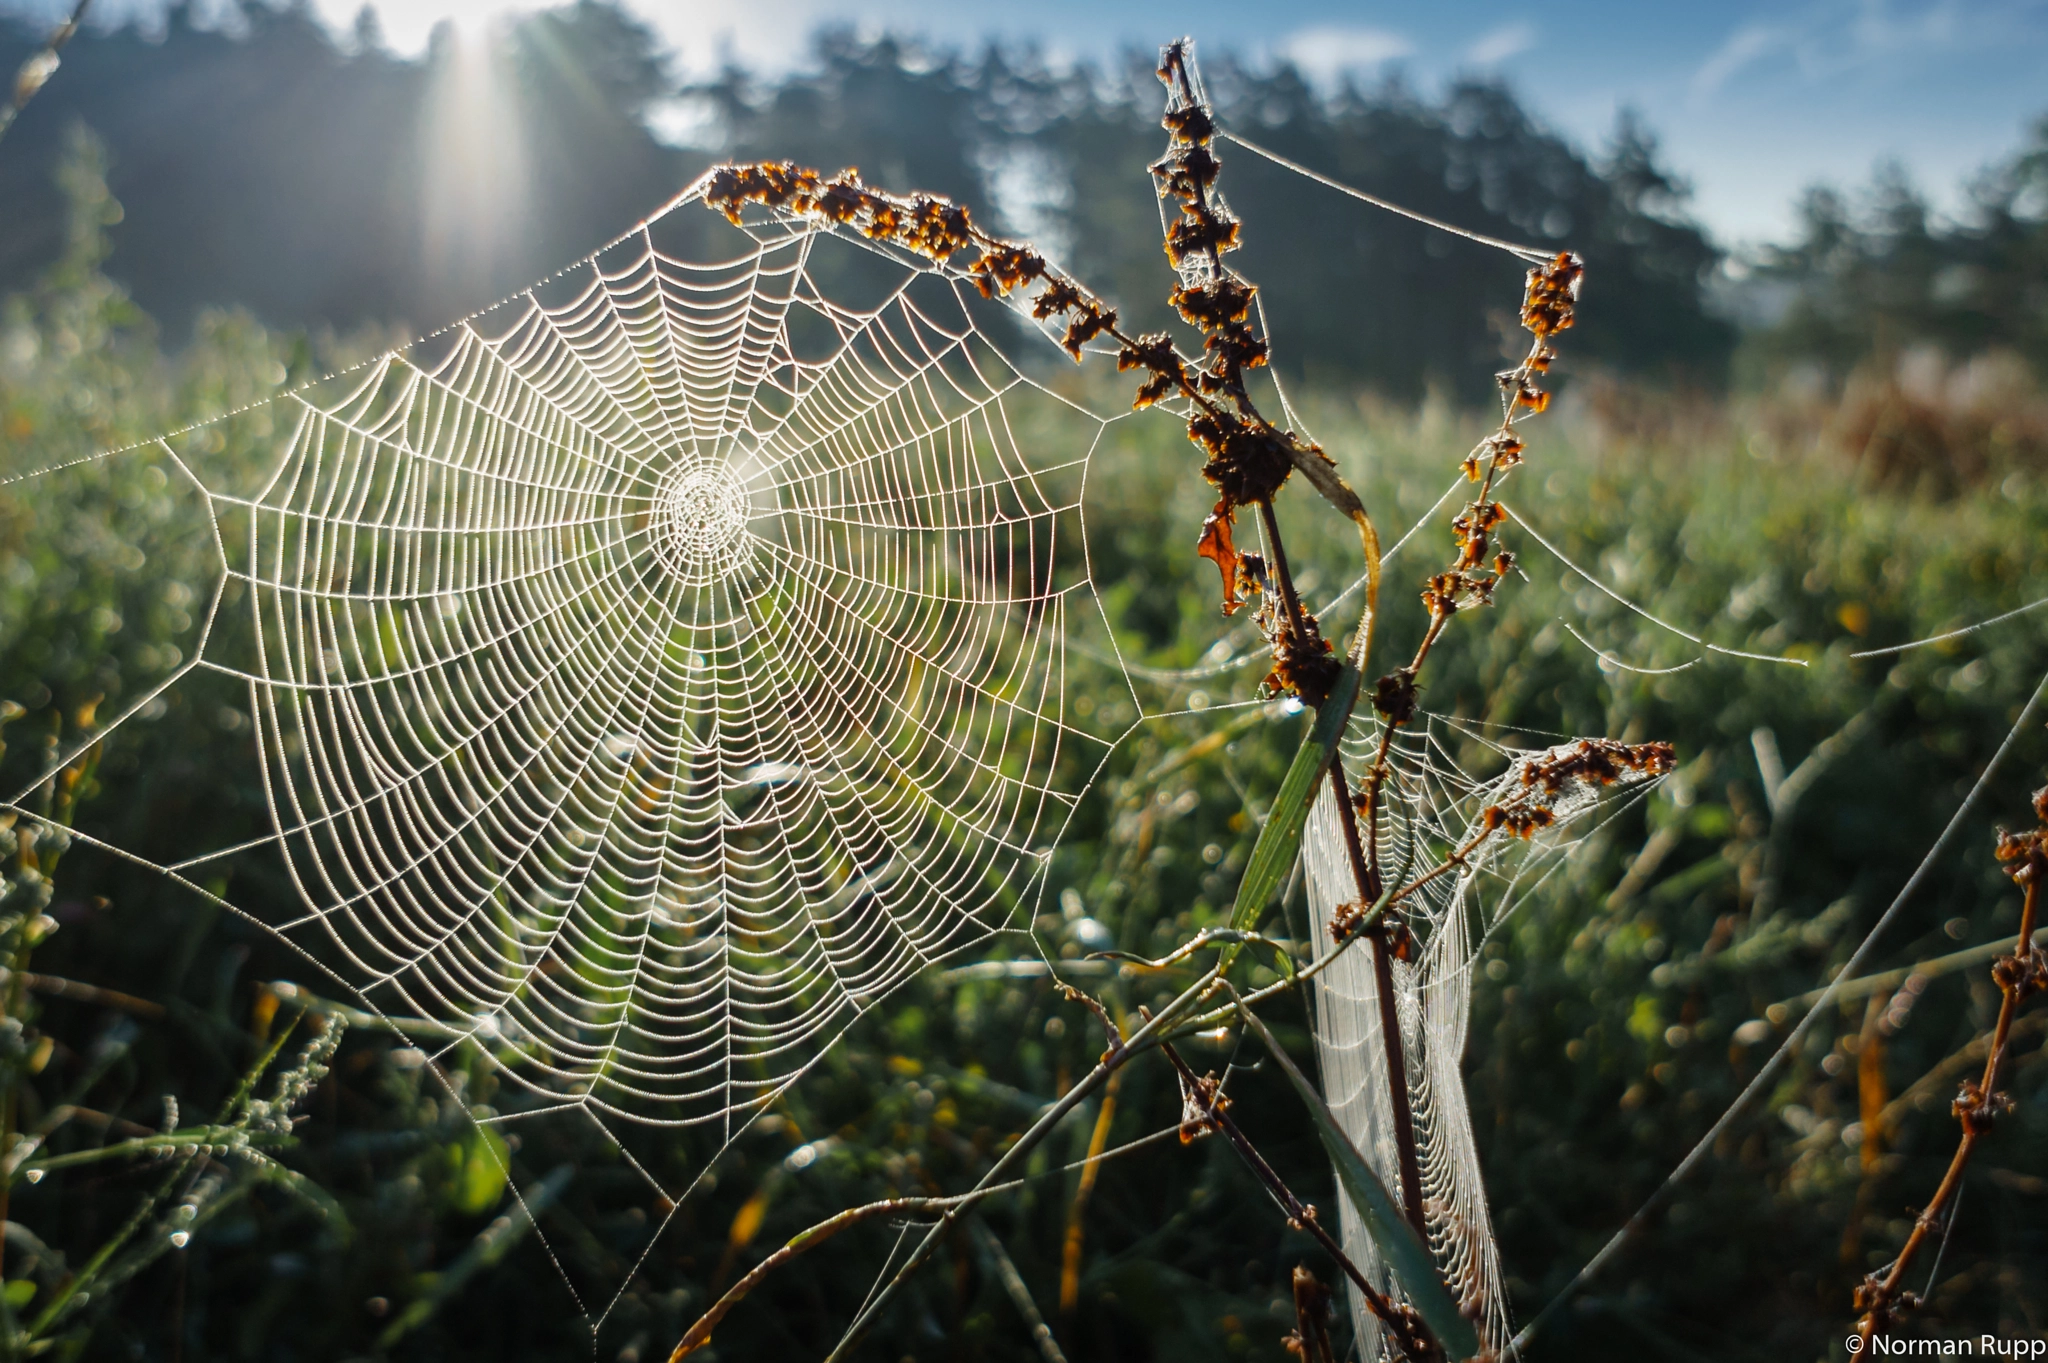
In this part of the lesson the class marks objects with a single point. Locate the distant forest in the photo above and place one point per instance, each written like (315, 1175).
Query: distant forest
(319, 182)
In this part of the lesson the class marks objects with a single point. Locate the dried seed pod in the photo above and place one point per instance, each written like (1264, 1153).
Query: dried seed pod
(1200, 231)
(1597, 761)
(1086, 324)
(1214, 304)
(1557, 783)
(1552, 294)
(1190, 122)
(1394, 695)
(1058, 298)
(1186, 173)
(1155, 353)
(1003, 268)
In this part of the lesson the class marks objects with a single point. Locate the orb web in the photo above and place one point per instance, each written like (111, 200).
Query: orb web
(652, 672)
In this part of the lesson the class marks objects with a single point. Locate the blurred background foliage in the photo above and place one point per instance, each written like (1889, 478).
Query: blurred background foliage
(1839, 445)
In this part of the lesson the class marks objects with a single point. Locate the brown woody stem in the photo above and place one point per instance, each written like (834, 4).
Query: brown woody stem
(699, 1334)
(1367, 884)
(1437, 620)
(1879, 1298)
(1407, 1333)
(1367, 881)
(1039, 1130)
(1077, 1225)
(1283, 579)
(1376, 777)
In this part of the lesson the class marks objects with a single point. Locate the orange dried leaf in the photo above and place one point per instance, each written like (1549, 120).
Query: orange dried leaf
(1218, 546)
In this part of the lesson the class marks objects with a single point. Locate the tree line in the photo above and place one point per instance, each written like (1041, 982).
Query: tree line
(319, 181)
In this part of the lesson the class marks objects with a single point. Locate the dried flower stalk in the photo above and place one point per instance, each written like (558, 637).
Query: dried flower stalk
(1247, 458)
(1882, 1298)
(1549, 299)
(1206, 1110)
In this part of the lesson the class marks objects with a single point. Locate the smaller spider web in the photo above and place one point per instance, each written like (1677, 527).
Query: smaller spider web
(1432, 805)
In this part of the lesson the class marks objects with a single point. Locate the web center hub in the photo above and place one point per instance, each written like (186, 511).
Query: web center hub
(698, 522)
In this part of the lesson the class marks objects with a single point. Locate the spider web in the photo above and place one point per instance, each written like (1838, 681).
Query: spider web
(1432, 805)
(650, 673)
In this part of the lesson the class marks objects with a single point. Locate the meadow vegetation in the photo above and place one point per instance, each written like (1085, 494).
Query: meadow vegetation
(1861, 495)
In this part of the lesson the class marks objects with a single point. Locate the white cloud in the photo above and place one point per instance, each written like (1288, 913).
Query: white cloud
(1832, 38)
(1744, 47)
(1327, 51)
(1509, 40)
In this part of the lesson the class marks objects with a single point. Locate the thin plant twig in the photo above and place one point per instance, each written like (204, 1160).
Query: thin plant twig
(1077, 1220)
(699, 1334)
(1023, 1146)
(1016, 1289)
(1209, 1110)
(1363, 878)
(1882, 1299)
(56, 986)
(1761, 1082)
(1310, 1341)
(1188, 173)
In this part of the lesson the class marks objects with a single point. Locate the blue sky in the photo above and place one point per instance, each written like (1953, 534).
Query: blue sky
(1752, 101)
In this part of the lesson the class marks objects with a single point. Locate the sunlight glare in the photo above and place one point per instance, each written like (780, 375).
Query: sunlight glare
(475, 164)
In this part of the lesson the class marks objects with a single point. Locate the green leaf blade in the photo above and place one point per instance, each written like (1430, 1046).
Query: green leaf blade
(1280, 840)
(1390, 1230)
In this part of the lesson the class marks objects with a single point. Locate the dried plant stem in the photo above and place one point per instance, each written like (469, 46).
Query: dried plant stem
(1310, 1341)
(58, 987)
(1216, 1016)
(1181, 84)
(699, 1334)
(1376, 774)
(1397, 1081)
(1546, 310)
(1114, 1060)
(1444, 867)
(1290, 599)
(1881, 1301)
(1070, 1248)
(1410, 1337)
(1943, 1074)
(1016, 1289)
(1390, 1015)
(1387, 900)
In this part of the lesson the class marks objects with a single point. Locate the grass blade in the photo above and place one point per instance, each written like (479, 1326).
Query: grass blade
(1391, 1234)
(1280, 840)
